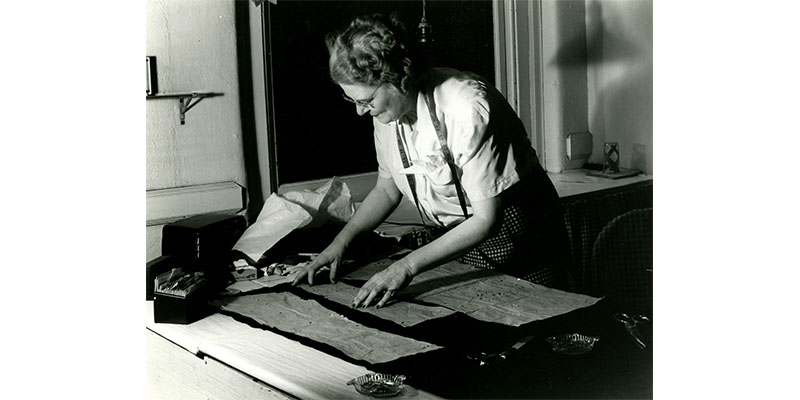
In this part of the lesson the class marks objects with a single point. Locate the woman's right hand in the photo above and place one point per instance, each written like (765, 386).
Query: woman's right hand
(331, 257)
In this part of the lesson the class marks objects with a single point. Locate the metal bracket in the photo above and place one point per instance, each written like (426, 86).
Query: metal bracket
(185, 100)
(186, 104)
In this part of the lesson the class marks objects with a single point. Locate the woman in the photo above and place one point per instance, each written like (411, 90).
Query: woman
(450, 143)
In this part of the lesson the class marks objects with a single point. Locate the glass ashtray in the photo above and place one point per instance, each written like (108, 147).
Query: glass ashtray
(378, 385)
(572, 343)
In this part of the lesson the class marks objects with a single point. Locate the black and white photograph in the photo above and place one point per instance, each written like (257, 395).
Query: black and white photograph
(427, 199)
(449, 199)
(431, 199)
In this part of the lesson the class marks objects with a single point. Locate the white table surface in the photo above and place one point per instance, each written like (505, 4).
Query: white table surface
(285, 364)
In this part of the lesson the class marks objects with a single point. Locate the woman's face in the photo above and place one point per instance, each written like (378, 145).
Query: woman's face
(385, 102)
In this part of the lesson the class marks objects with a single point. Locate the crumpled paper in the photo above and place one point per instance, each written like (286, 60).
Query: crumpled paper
(281, 214)
(330, 202)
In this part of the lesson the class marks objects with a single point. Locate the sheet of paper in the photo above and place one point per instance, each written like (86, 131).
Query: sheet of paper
(400, 312)
(484, 294)
(268, 281)
(289, 313)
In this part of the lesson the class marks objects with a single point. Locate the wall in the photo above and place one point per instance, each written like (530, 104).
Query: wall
(194, 42)
(620, 79)
(563, 52)
(596, 76)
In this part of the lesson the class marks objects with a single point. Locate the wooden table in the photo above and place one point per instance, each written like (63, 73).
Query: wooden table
(220, 357)
(227, 357)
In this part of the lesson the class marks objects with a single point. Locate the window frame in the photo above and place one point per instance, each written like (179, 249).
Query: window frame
(518, 76)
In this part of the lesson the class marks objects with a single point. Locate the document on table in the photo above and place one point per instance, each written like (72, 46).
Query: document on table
(401, 312)
(289, 313)
(268, 281)
(483, 294)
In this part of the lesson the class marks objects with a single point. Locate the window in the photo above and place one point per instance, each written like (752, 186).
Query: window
(534, 51)
(317, 134)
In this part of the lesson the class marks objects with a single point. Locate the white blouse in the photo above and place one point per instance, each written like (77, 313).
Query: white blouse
(489, 144)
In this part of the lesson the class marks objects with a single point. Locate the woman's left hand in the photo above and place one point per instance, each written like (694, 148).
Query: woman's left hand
(385, 283)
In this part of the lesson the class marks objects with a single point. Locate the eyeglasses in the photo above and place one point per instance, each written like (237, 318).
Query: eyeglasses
(364, 103)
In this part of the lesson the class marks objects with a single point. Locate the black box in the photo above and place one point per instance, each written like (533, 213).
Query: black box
(180, 306)
(197, 245)
(180, 310)
(203, 239)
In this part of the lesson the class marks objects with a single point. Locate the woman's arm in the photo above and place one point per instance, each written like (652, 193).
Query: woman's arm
(379, 203)
(456, 242)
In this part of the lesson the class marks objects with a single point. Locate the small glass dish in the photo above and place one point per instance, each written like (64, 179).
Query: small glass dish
(572, 343)
(378, 385)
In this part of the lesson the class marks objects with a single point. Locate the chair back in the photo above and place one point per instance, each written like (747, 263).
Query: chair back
(622, 262)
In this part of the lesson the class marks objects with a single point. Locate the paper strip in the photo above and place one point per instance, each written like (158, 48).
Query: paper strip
(400, 312)
(289, 313)
(483, 294)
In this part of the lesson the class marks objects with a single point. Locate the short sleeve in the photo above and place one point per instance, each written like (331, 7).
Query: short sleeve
(480, 150)
(382, 147)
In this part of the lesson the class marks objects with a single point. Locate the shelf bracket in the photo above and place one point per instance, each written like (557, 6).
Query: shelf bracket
(186, 103)
(185, 100)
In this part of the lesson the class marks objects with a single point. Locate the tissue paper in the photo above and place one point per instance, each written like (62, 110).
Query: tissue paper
(330, 202)
(277, 219)
(282, 214)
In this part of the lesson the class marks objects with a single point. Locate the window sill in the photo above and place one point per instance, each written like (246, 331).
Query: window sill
(570, 183)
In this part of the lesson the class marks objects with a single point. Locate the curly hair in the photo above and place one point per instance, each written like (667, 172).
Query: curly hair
(372, 50)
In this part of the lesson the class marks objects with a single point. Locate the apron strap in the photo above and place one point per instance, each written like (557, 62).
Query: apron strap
(448, 156)
(409, 177)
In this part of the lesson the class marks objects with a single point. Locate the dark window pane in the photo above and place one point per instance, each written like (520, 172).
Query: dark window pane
(319, 135)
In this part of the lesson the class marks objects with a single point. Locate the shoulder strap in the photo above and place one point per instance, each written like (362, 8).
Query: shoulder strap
(411, 180)
(448, 156)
